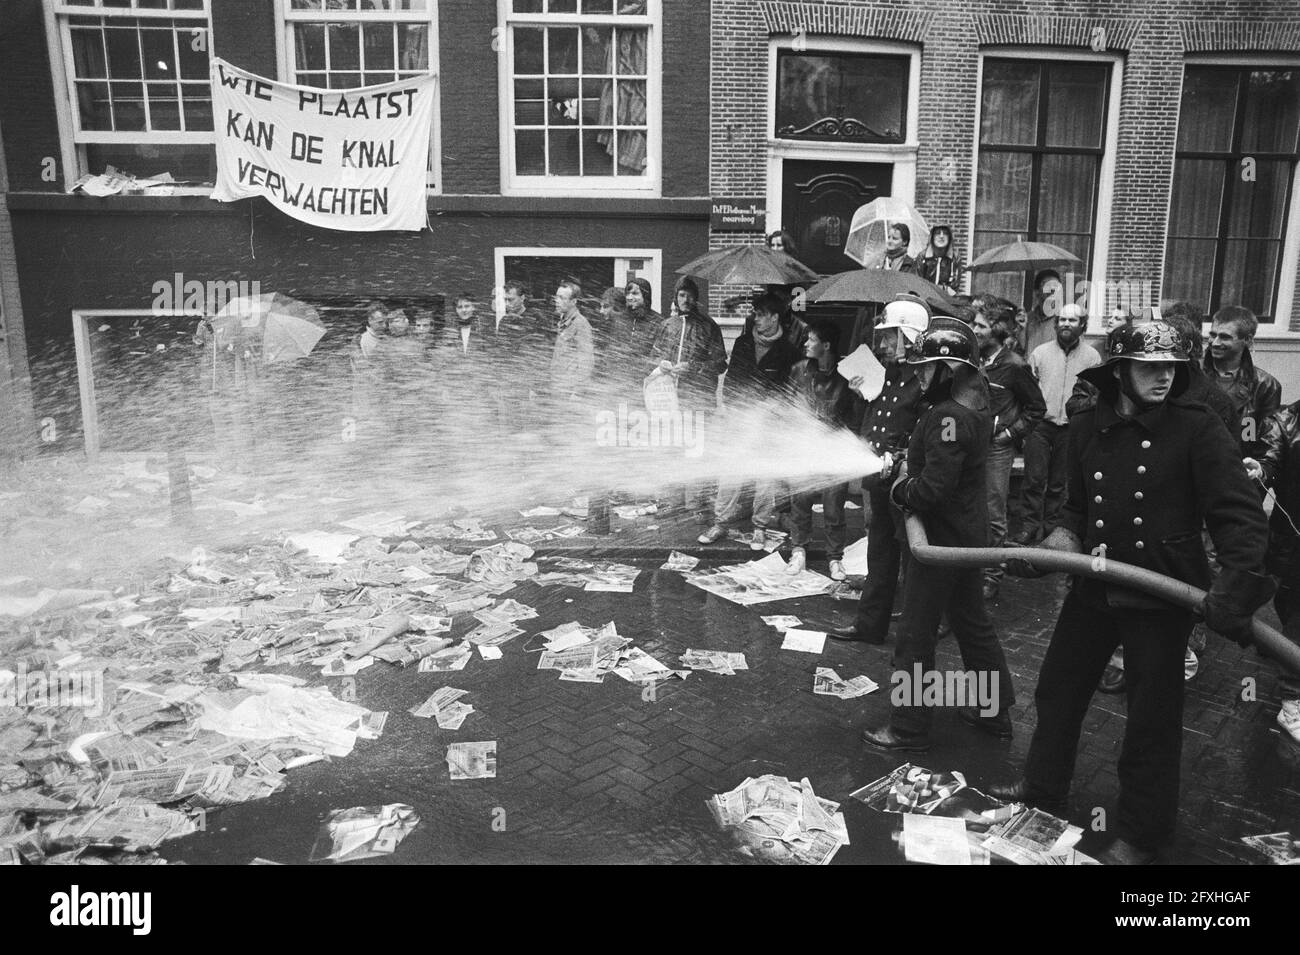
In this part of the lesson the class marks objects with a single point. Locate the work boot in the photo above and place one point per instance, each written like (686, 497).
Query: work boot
(798, 561)
(852, 635)
(998, 726)
(837, 570)
(1288, 717)
(714, 534)
(885, 738)
(1121, 852)
(759, 539)
(1112, 681)
(1020, 791)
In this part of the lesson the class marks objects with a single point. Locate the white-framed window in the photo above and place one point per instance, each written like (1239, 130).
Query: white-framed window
(1044, 157)
(132, 88)
(841, 124)
(1233, 237)
(136, 373)
(343, 44)
(540, 271)
(580, 94)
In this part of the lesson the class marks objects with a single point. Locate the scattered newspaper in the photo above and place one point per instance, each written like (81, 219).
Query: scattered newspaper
(472, 760)
(679, 561)
(1280, 848)
(759, 581)
(776, 820)
(826, 682)
(363, 833)
(804, 641)
(714, 661)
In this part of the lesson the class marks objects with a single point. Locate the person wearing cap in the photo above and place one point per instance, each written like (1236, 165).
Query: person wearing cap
(688, 346)
(1056, 366)
(1147, 470)
(1017, 406)
(943, 482)
(887, 422)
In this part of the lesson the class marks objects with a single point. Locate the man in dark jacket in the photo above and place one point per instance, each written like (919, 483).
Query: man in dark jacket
(1017, 406)
(689, 346)
(1200, 390)
(1281, 471)
(944, 482)
(757, 373)
(820, 390)
(887, 422)
(1255, 394)
(1146, 470)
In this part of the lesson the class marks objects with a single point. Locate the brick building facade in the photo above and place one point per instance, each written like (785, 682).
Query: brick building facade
(962, 61)
(80, 257)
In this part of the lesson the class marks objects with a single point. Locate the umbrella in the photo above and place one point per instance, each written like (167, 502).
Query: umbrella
(878, 285)
(749, 265)
(1023, 256)
(871, 225)
(288, 328)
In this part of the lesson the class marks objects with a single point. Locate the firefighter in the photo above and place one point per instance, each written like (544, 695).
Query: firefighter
(1147, 469)
(943, 480)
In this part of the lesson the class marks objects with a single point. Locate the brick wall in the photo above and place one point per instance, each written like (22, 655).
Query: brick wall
(1152, 37)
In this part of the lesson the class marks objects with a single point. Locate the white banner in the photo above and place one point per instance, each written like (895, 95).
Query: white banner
(353, 159)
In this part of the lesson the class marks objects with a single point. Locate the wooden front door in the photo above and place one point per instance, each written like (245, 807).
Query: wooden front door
(818, 200)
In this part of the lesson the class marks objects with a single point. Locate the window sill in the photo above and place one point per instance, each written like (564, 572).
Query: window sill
(197, 201)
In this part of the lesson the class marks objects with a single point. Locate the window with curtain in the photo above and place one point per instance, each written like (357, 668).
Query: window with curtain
(579, 92)
(1041, 142)
(841, 97)
(1233, 170)
(341, 44)
(137, 73)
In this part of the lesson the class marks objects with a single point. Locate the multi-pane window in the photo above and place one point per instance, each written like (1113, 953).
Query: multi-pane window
(1233, 169)
(1042, 139)
(540, 272)
(580, 92)
(841, 97)
(340, 44)
(137, 72)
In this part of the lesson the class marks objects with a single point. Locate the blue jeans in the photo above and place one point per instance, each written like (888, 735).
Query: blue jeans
(997, 471)
(832, 500)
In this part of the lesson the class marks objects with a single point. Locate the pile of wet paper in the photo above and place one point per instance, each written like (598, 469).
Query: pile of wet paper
(775, 820)
(363, 833)
(947, 822)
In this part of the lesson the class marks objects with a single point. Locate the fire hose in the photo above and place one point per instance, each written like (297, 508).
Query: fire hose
(1169, 589)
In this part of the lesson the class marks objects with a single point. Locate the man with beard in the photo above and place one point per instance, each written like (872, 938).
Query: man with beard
(943, 481)
(1147, 469)
(1056, 365)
